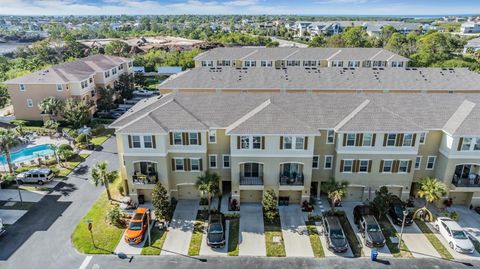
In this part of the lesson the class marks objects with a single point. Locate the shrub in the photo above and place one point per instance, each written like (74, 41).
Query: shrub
(114, 216)
(82, 139)
(120, 189)
(204, 201)
(269, 203)
(64, 147)
(70, 132)
(98, 129)
(454, 215)
(51, 124)
(161, 206)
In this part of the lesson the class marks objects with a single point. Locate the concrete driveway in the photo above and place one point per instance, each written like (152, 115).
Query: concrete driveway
(252, 237)
(125, 248)
(181, 228)
(294, 231)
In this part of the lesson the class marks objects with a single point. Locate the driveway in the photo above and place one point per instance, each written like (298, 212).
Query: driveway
(456, 255)
(294, 231)
(126, 248)
(205, 250)
(329, 252)
(252, 237)
(181, 228)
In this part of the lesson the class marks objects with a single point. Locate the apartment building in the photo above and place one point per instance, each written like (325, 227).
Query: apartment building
(470, 27)
(78, 79)
(278, 58)
(293, 142)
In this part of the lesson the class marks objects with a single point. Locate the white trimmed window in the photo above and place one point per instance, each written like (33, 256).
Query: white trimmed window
(423, 137)
(431, 162)
(403, 166)
(177, 138)
(347, 166)
(136, 141)
(226, 161)
(22, 87)
(107, 74)
(367, 140)
(337, 63)
(266, 63)
(29, 103)
(391, 138)
(257, 142)
(330, 136)
(287, 142)
(212, 136)
(387, 166)
(179, 164)
(147, 141)
(193, 138)
(407, 140)
(363, 166)
(212, 161)
(293, 142)
(328, 162)
(476, 145)
(299, 142)
(353, 63)
(467, 142)
(244, 142)
(351, 139)
(418, 162)
(207, 63)
(114, 71)
(316, 162)
(59, 87)
(194, 164)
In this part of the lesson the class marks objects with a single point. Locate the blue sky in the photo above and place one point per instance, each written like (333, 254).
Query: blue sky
(317, 7)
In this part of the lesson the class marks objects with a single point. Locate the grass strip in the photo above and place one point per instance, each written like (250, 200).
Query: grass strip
(315, 242)
(352, 238)
(198, 230)
(274, 230)
(233, 234)
(389, 231)
(439, 247)
(158, 238)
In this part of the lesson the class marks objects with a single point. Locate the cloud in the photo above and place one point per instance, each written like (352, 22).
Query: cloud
(322, 2)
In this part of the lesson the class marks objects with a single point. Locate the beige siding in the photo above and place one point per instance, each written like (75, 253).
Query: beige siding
(430, 148)
(322, 149)
(220, 148)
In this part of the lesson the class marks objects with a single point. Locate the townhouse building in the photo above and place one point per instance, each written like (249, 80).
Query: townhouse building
(293, 142)
(78, 79)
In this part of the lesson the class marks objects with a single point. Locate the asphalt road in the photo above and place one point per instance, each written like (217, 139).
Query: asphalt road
(41, 238)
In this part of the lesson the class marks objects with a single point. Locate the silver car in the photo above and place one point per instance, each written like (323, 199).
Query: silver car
(40, 176)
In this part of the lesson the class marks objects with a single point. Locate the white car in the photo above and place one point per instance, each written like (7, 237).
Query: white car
(141, 92)
(473, 233)
(454, 234)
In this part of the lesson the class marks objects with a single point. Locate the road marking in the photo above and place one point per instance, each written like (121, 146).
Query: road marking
(85, 262)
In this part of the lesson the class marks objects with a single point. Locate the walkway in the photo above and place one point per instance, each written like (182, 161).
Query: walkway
(252, 237)
(294, 231)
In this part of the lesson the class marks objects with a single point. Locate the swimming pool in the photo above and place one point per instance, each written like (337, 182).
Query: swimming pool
(28, 154)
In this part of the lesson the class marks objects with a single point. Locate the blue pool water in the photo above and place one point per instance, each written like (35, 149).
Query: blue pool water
(28, 154)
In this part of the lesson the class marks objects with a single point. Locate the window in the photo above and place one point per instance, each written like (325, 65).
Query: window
(287, 142)
(266, 63)
(195, 164)
(350, 139)
(422, 138)
(22, 87)
(114, 71)
(250, 63)
(477, 144)
(83, 84)
(391, 138)
(407, 140)
(107, 74)
(293, 63)
(418, 162)
(179, 164)
(330, 136)
(177, 139)
(136, 141)
(29, 103)
(397, 64)
(193, 138)
(257, 142)
(467, 142)
(363, 166)
(251, 170)
(353, 63)
(337, 63)
(431, 162)
(244, 142)
(347, 166)
(120, 67)
(299, 142)
(367, 140)
(316, 162)
(309, 63)
(223, 63)
(212, 161)
(387, 166)
(59, 87)
(403, 166)
(90, 80)
(212, 136)
(207, 63)
(147, 141)
(328, 162)
(226, 161)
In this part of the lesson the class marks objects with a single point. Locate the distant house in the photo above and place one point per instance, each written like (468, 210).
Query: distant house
(169, 70)
(139, 69)
(375, 29)
(472, 45)
(470, 28)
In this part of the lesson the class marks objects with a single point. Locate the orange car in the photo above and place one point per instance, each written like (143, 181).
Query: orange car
(138, 226)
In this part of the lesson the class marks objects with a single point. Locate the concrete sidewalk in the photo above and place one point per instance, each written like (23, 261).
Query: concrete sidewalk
(294, 231)
(252, 236)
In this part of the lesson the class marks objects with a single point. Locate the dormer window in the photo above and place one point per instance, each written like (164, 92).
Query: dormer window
(107, 74)
(59, 87)
(266, 63)
(337, 63)
(351, 140)
(114, 71)
(407, 140)
(22, 87)
(353, 63)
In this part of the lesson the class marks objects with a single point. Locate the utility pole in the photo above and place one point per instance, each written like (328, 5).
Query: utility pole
(405, 213)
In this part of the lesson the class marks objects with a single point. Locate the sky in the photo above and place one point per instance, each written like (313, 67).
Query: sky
(298, 7)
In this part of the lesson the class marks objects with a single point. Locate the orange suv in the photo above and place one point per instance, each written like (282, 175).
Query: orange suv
(138, 226)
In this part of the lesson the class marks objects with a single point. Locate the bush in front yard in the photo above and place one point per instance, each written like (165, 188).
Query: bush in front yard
(269, 203)
(161, 204)
(114, 216)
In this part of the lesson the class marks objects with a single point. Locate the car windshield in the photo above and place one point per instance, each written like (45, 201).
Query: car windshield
(336, 234)
(399, 210)
(459, 235)
(216, 228)
(135, 226)
(372, 228)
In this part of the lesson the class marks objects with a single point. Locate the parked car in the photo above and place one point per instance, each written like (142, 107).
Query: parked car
(334, 234)
(108, 115)
(138, 226)
(216, 230)
(141, 92)
(2, 229)
(473, 233)
(119, 110)
(38, 175)
(397, 207)
(359, 211)
(454, 234)
(371, 231)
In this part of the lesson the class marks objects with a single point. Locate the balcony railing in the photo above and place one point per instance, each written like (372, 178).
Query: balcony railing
(292, 180)
(249, 180)
(145, 179)
(471, 180)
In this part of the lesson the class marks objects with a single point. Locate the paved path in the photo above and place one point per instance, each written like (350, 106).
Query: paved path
(181, 228)
(205, 250)
(27, 196)
(252, 237)
(294, 231)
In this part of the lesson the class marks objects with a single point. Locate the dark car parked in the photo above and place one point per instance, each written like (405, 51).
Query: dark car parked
(216, 230)
(397, 207)
(371, 231)
(334, 234)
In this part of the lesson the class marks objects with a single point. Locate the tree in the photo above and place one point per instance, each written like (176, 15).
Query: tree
(76, 112)
(269, 203)
(356, 37)
(160, 201)
(54, 148)
(50, 105)
(381, 202)
(317, 41)
(335, 191)
(101, 176)
(209, 184)
(431, 189)
(117, 48)
(140, 80)
(8, 139)
(4, 96)
(397, 43)
(125, 86)
(105, 102)
(64, 152)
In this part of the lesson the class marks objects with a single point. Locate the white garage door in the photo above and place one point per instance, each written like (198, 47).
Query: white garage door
(461, 198)
(354, 194)
(188, 192)
(249, 196)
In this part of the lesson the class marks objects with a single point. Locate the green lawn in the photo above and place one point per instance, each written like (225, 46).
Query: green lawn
(158, 238)
(274, 249)
(63, 170)
(352, 238)
(441, 249)
(233, 237)
(102, 137)
(388, 231)
(196, 241)
(315, 239)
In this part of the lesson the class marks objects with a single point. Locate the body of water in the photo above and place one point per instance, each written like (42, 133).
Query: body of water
(28, 154)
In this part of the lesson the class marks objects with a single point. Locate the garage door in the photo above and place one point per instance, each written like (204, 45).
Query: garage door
(461, 198)
(147, 194)
(249, 196)
(397, 191)
(187, 192)
(294, 197)
(354, 194)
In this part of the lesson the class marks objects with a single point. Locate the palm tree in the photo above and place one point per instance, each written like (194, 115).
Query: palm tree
(431, 189)
(101, 175)
(51, 106)
(336, 191)
(54, 148)
(8, 139)
(209, 184)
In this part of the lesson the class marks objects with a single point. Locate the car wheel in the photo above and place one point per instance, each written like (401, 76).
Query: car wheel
(20, 182)
(40, 182)
(436, 227)
(451, 245)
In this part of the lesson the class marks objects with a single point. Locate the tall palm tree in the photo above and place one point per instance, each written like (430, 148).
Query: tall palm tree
(431, 189)
(209, 184)
(50, 105)
(8, 139)
(101, 175)
(54, 148)
(336, 191)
